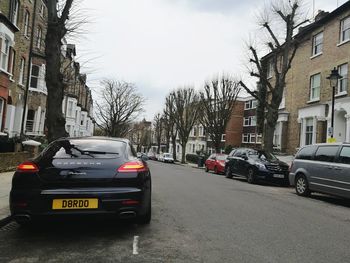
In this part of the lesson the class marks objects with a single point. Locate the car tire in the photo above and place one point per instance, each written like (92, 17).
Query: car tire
(215, 170)
(228, 172)
(146, 218)
(206, 169)
(251, 176)
(302, 186)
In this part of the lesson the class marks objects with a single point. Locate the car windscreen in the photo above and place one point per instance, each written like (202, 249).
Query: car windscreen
(83, 148)
(167, 155)
(221, 157)
(265, 156)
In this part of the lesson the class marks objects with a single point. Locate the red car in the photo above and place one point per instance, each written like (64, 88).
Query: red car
(216, 163)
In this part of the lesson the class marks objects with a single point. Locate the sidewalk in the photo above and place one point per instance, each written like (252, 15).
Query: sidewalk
(5, 185)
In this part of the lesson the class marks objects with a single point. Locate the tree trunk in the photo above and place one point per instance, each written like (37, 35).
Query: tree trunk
(272, 117)
(55, 121)
(183, 158)
(174, 147)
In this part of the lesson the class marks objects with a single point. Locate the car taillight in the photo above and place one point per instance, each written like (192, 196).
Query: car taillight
(27, 167)
(136, 166)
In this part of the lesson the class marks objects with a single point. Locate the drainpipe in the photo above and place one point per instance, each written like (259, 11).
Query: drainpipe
(28, 71)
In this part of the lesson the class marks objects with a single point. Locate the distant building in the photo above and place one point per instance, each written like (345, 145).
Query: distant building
(250, 136)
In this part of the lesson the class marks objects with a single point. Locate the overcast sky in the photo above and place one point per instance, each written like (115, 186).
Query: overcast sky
(163, 44)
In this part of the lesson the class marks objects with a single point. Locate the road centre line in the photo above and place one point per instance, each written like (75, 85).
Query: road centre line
(135, 246)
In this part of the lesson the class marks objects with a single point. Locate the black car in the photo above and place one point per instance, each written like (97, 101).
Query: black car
(82, 177)
(256, 165)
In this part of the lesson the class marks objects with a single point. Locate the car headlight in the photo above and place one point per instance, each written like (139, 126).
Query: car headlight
(261, 166)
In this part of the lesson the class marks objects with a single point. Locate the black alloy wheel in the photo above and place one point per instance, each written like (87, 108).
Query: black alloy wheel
(251, 176)
(302, 186)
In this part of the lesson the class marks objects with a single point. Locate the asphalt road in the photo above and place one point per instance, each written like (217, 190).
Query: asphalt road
(198, 217)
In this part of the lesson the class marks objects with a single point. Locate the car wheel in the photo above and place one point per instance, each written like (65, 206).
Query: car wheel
(206, 169)
(215, 170)
(302, 186)
(228, 173)
(251, 176)
(146, 218)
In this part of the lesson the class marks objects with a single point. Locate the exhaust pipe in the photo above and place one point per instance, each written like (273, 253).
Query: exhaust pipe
(127, 214)
(23, 218)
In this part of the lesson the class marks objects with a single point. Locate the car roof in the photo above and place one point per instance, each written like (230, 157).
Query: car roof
(95, 138)
(328, 144)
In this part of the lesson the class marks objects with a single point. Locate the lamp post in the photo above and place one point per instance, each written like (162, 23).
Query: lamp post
(333, 80)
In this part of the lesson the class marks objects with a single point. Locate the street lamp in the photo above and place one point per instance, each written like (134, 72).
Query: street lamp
(333, 80)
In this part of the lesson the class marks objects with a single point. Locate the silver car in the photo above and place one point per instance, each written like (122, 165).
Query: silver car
(323, 168)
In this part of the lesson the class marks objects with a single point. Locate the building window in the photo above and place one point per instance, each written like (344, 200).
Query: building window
(22, 66)
(193, 148)
(34, 77)
(42, 10)
(68, 128)
(11, 63)
(70, 109)
(5, 46)
(269, 69)
(259, 138)
(345, 29)
(245, 138)
(247, 105)
(26, 23)
(253, 121)
(315, 85)
(39, 37)
(246, 121)
(317, 44)
(14, 11)
(254, 104)
(252, 138)
(223, 137)
(309, 130)
(2, 103)
(30, 121)
(343, 82)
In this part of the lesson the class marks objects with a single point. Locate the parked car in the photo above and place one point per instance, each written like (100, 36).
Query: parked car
(216, 163)
(256, 165)
(82, 176)
(152, 156)
(168, 158)
(323, 168)
(160, 157)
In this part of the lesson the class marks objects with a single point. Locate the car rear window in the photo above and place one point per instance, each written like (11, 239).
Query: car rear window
(344, 156)
(326, 153)
(221, 157)
(80, 148)
(306, 153)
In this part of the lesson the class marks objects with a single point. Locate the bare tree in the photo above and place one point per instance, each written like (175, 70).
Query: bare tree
(56, 30)
(269, 93)
(186, 114)
(216, 103)
(120, 104)
(158, 129)
(169, 113)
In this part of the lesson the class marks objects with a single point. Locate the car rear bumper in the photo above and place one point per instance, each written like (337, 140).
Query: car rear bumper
(119, 202)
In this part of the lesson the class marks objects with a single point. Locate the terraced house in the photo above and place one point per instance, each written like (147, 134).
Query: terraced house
(23, 90)
(305, 111)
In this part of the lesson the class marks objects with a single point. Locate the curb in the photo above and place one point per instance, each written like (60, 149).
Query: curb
(5, 221)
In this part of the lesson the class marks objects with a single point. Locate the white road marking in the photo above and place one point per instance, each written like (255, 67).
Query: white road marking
(135, 246)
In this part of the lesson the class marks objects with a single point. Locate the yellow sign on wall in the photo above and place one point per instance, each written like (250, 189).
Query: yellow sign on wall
(331, 140)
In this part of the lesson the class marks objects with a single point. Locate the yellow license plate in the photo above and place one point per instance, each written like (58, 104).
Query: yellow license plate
(90, 203)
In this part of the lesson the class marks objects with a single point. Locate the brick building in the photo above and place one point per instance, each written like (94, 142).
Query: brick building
(250, 137)
(305, 111)
(233, 134)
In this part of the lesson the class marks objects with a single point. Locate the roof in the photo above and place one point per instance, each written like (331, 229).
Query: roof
(96, 138)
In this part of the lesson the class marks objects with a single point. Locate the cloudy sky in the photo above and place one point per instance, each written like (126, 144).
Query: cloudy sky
(163, 44)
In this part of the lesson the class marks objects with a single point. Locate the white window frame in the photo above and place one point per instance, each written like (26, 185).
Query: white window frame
(14, 11)
(246, 138)
(345, 29)
(252, 138)
(254, 104)
(343, 71)
(246, 121)
(2, 105)
(252, 121)
(269, 72)
(309, 132)
(26, 23)
(223, 137)
(247, 105)
(36, 77)
(70, 108)
(313, 88)
(39, 37)
(5, 50)
(22, 66)
(259, 138)
(317, 44)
